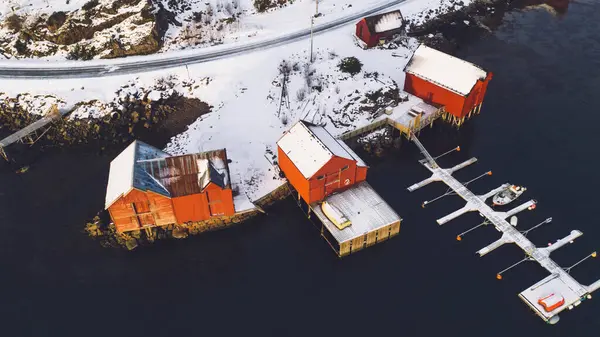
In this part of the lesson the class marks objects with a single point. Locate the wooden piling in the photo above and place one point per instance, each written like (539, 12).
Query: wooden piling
(2, 153)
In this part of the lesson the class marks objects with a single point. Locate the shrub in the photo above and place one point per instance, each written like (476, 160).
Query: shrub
(263, 5)
(21, 47)
(14, 23)
(301, 94)
(197, 17)
(89, 5)
(80, 52)
(350, 65)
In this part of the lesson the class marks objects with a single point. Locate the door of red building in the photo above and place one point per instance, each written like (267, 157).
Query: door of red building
(143, 213)
(215, 204)
(332, 182)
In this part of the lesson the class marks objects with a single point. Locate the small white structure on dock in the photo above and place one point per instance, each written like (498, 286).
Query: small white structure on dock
(550, 296)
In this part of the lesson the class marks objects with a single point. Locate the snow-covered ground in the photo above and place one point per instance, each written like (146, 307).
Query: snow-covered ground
(193, 24)
(245, 92)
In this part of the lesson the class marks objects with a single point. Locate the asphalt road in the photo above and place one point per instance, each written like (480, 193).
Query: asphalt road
(81, 70)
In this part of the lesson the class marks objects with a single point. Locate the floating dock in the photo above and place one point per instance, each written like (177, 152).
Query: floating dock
(559, 286)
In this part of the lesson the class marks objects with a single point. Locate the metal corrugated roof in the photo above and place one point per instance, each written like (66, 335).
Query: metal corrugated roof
(363, 207)
(310, 147)
(147, 168)
(126, 174)
(191, 173)
(444, 70)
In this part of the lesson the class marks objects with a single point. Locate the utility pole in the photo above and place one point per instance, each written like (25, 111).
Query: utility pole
(312, 19)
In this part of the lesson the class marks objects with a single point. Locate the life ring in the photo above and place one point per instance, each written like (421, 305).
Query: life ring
(347, 182)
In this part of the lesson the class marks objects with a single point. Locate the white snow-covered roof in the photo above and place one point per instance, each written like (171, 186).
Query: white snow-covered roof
(444, 70)
(125, 174)
(389, 21)
(310, 147)
(363, 207)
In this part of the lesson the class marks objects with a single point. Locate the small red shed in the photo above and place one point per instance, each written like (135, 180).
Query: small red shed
(147, 187)
(316, 163)
(439, 78)
(376, 29)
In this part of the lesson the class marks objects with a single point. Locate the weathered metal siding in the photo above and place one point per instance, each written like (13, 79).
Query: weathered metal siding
(220, 201)
(214, 201)
(180, 174)
(430, 92)
(191, 208)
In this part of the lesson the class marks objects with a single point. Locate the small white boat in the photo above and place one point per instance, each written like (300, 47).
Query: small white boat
(508, 195)
(335, 215)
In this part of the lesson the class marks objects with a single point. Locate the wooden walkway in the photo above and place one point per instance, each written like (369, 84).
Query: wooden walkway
(30, 130)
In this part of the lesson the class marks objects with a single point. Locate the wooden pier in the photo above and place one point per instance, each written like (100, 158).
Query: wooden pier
(408, 118)
(29, 134)
(558, 285)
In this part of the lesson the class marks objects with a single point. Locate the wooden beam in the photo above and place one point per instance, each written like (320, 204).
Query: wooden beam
(3, 154)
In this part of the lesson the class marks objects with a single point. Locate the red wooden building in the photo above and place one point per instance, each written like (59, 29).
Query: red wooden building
(316, 163)
(442, 79)
(147, 187)
(377, 29)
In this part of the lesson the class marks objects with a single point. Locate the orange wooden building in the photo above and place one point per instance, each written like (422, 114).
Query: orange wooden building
(316, 163)
(442, 79)
(147, 187)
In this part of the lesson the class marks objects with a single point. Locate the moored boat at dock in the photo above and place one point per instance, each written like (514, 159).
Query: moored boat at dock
(335, 215)
(508, 195)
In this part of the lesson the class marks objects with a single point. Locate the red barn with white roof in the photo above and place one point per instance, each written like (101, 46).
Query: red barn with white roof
(439, 78)
(316, 163)
(382, 27)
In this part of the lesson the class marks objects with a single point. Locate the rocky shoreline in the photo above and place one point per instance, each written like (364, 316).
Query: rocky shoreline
(154, 122)
(450, 31)
(157, 121)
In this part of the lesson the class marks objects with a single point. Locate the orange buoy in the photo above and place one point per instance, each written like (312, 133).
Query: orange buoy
(458, 238)
(498, 276)
(423, 205)
(489, 173)
(458, 148)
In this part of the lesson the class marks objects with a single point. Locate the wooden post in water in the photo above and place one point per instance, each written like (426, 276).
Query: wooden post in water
(2, 153)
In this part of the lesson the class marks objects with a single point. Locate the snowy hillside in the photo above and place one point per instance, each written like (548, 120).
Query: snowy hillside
(245, 92)
(86, 29)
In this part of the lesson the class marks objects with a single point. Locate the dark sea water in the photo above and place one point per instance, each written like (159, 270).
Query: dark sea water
(274, 276)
